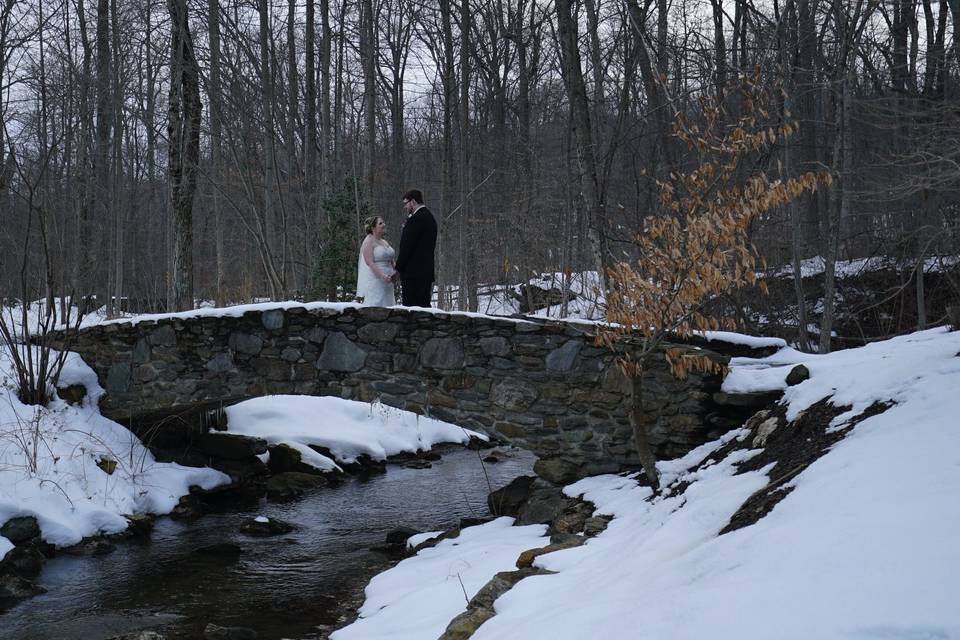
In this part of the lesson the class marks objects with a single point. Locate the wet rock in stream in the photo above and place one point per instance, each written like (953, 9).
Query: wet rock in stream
(14, 588)
(95, 546)
(284, 458)
(24, 560)
(262, 526)
(20, 529)
(292, 484)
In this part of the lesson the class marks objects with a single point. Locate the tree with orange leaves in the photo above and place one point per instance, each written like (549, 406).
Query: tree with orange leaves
(697, 248)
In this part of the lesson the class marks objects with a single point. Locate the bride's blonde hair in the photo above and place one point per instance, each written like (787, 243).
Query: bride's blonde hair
(370, 223)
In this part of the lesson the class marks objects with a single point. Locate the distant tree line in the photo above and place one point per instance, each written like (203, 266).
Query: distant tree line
(227, 150)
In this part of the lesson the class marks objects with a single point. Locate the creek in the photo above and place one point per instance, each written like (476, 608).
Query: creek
(287, 586)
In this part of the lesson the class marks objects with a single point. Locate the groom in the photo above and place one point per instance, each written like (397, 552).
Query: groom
(415, 259)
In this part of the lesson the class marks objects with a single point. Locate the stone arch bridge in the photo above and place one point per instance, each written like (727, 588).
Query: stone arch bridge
(541, 385)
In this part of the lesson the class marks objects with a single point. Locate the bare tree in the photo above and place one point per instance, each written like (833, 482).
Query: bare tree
(183, 135)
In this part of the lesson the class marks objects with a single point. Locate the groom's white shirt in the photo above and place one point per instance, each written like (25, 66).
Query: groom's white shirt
(421, 206)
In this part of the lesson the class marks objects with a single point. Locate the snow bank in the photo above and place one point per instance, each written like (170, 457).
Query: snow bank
(49, 465)
(347, 428)
(418, 597)
(864, 546)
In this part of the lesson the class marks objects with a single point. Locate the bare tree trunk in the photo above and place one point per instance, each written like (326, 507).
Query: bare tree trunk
(955, 10)
(719, 50)
(638, 420)
(310, 108)
(84, 254)
(446, 156)
(216, 141)
(368, 61)
(921, 294)
(596, 64)
(580, 111)
(151, 103)
(183, 133)
(840, 202)
(102, 168)
(326, 125)
(271, 219)
(337, 157)
(653, 71)
(523, 108)
(468, 268)
(787, 43)
(119, 209)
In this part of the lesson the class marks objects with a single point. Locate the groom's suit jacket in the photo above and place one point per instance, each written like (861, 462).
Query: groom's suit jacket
(418, 239)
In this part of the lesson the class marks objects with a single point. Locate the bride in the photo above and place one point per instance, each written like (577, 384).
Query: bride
(375, 266)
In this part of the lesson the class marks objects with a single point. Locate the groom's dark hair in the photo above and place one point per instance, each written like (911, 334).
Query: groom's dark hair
(415, 195)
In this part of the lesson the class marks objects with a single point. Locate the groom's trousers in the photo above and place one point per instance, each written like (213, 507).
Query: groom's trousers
(416, 292)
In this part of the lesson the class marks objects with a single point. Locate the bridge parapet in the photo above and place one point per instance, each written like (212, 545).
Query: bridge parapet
(543, 386)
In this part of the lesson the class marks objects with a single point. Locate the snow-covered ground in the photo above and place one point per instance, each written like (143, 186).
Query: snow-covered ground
(347, 428)
(816, 265)
(415, 598)
(49, 465)
(497, 299)
(863, 547)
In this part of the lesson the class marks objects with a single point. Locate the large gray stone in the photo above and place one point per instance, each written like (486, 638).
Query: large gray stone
(442, 353)
(221, 363)
(557, 469)
(290, 354)
(514, 395)
(495, 346)
(17, 588)
(544, 503)
(378, 332)
(163, 335)
(466, 624)
(284, 458)
(498, 585)
(141, 351)
(118, 378)
(317, 335)
(797, 375)
(273, 319)
(290, 485)
(525, 561)
(508, 500)
(562, 358)
(340, 354)
(245, 343)
(72, 394)
(20, 529)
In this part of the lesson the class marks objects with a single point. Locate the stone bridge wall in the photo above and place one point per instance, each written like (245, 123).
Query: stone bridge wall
(542, 386)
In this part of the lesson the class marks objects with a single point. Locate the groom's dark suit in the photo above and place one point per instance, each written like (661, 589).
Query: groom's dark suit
(418, 239)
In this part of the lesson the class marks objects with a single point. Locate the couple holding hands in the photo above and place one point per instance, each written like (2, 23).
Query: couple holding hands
(379, 265)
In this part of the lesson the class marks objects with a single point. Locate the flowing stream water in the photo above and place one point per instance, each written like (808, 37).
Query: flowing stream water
(282, 586)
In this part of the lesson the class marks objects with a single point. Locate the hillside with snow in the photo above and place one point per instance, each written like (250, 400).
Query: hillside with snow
(833, 515)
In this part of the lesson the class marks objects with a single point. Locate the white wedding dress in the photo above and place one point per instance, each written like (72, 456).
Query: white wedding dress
(374, 291)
